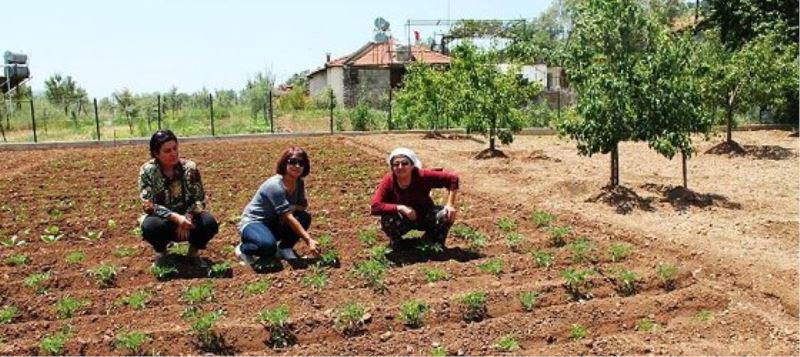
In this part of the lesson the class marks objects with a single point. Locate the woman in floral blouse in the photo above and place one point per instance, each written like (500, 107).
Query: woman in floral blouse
(173, 200)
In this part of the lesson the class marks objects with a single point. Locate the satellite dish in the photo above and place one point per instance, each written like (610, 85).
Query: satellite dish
(381, 24)
(381, 37)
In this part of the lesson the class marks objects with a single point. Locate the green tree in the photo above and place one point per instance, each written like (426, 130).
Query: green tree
(256, 91)
(126, 104)
(63, 91)
(424, 97)
(487, 99)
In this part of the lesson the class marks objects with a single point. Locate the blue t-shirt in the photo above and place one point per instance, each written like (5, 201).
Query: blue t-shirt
(271, 201)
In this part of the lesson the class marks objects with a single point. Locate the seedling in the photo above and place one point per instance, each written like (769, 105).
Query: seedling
(162, 271)
(475, 240)
(18, 259)
(228, 249)
(257, 287)
(412, 313)
(430, 248)
(105, 275)
(36, 281)
(619, 251)
(528, 300)
(578, 332)
(112, 224)
(577, 282)
(493, 266)
(474, 304)
(190, 312)
(647, 325)
(199, 294)
(506, 224)
(68, 306)
(75, 257)
(55, 214)
(316, 279)
(558, 235)
(138, 299)
(372, 272)
(8, 313)
(54, 344)
(51, 234)
(514, 241)
(543, 259)
(92, 236)
(368, 237)
(178, 249)
(626, 282)
(13, 241)
(378, 253)
(581, 249)
(350, 319)
(131, 341)
(328, 257)
(704, 315)
(507, 343)
(124, 252)
(667, 273)
(542, 219)
(219, 270)
(277, 323)
(438, 351)
(205, 330)
(433, 275)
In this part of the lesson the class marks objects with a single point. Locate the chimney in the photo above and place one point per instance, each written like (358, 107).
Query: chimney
(327, 57)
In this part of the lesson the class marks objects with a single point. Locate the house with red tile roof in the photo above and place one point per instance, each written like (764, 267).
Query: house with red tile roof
(369, 72)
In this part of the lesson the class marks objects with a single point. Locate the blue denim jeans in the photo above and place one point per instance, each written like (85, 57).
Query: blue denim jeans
(262, 239)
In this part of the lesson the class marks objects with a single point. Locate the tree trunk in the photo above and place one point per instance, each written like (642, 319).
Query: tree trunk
(615, 166)
(729, 119)
(130, 124)
(1, 127)
(491, 133)
(683, 159)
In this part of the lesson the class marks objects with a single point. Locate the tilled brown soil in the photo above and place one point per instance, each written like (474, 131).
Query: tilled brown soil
(706, 311)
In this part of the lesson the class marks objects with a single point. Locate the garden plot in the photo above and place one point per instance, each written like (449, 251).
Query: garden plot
(514, 278)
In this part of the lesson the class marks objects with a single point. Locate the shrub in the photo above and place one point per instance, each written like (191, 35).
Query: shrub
(361, 118)
(350, 318)
(276, 322)
(542, 219)
(17, 260)
(433, 275)
(667, 273)
(131, 341)
(577, 282)
(493, 266)
(8, 313)
(528, 300)
(205, 330)
(372, 272)
(507, 343)
(412, 313)
(105, 275)
(474, 304)
(618, 251)
(67, 306)
(543, 259)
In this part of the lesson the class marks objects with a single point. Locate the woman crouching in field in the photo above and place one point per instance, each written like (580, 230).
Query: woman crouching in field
(173, 199)
(276, 217)
(404, 202)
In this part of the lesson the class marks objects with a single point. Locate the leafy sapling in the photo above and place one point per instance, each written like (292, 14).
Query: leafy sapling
(412, 313)
(474, 305)
(277, 324)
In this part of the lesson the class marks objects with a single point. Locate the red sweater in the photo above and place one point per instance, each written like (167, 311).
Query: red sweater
(416, 195)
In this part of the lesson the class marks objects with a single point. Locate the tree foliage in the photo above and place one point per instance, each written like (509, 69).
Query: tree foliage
(424, 97)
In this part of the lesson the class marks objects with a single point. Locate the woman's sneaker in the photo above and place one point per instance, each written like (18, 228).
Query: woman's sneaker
(285, 253)
(245, 259)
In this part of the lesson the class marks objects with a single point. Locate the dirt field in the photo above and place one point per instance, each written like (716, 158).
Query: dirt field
(733, 239)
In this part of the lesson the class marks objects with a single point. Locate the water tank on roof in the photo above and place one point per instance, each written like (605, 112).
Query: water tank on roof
(15, 58)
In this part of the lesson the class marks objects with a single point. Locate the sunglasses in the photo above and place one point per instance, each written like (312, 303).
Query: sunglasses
(295, 162)
(401, 163)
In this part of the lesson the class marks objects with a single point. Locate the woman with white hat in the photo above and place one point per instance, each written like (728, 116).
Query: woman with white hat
(404, 202)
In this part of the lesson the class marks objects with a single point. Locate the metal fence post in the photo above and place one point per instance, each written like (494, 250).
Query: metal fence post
(389, 122)
(159, 111)
(266, 116)
(211, 106)
(271, 110)
(3, 131)
(33, 122)
(96, 119)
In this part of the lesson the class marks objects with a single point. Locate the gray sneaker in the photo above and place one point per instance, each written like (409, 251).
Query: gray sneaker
(244, 259)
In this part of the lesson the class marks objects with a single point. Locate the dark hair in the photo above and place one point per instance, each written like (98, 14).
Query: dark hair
(280, 166)
(158, 139)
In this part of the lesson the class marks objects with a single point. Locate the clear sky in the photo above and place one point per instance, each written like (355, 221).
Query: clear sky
(150, 45)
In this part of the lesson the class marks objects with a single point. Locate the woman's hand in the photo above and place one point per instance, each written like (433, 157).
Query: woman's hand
(408, 212)
(452, 212)
(312, 246)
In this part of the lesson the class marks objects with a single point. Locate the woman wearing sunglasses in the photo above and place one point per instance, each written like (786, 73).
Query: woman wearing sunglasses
(404, 203)
(173, 199)
(276, 217)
